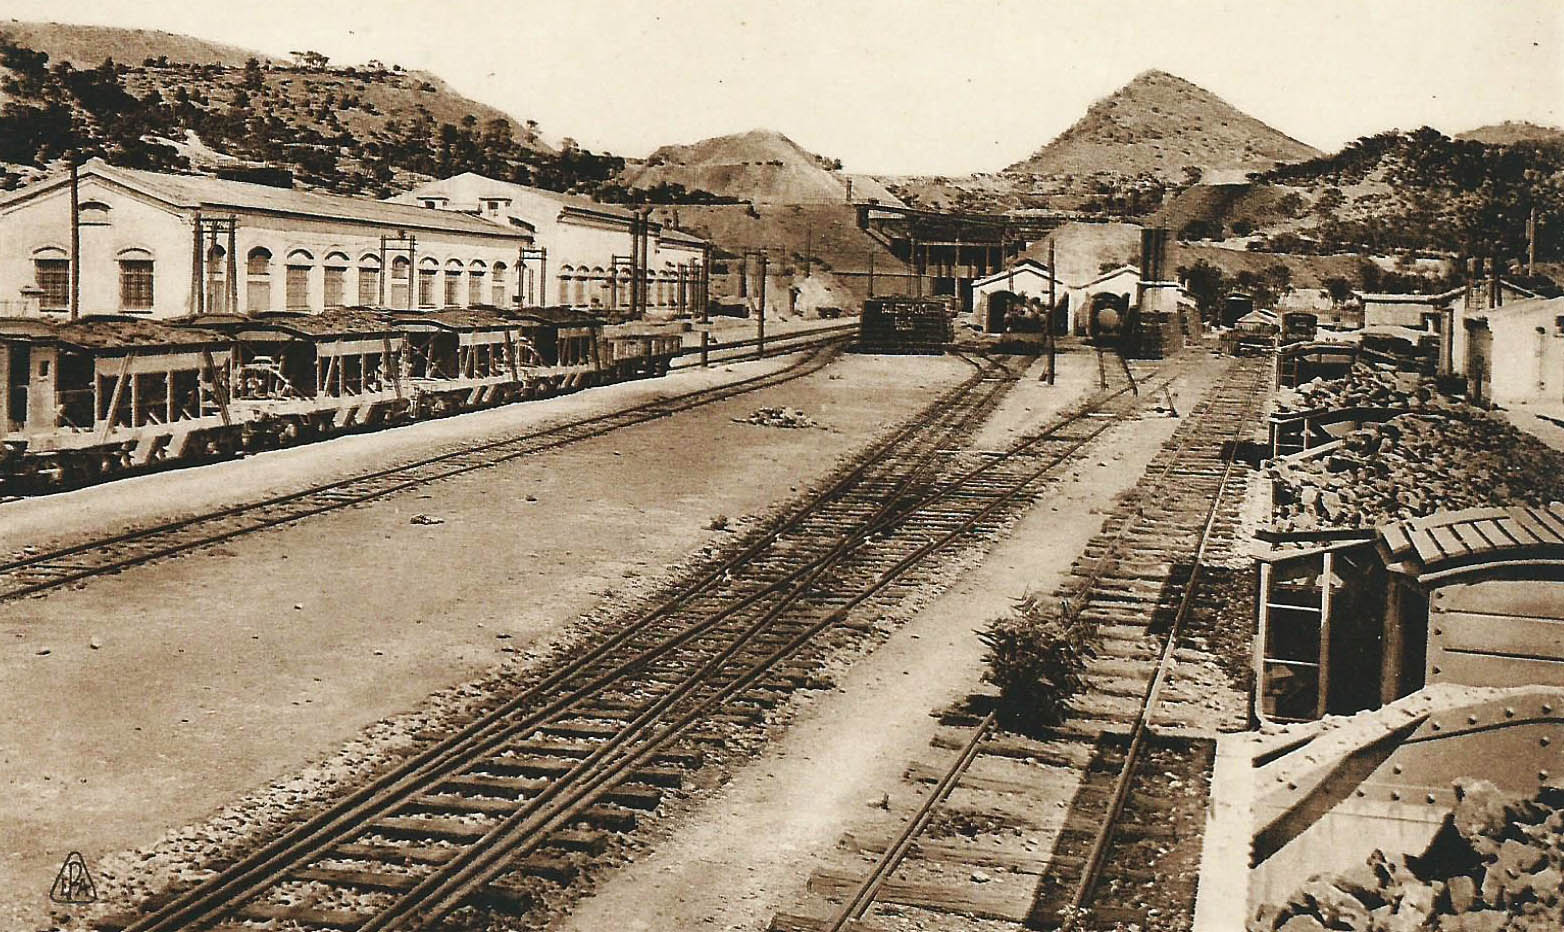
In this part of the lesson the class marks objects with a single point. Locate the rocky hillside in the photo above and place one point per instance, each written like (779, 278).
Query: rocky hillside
(1163, 125)
(171, 102)
(760, 166)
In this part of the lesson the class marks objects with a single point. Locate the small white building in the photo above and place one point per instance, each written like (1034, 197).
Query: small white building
(1514, 353)
(1029, 278)
(164, 245)
(582, 249)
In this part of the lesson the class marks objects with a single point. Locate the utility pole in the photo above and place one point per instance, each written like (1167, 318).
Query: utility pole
(760, 322)
(76, 240)
(871, 273)
(1052, 307)
(1531, 243)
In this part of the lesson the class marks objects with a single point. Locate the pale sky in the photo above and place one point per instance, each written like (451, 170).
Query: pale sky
(912, 86)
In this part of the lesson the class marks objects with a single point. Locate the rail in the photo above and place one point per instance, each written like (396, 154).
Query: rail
(1091, 872)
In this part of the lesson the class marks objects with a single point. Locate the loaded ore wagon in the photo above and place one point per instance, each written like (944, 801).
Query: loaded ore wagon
(906, 325)
(90, 398)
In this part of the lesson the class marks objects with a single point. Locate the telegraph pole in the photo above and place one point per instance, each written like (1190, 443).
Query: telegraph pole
(1052, 308)
(76, 240)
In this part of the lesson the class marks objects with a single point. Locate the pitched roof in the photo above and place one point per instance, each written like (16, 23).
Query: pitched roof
(576, 201)
(1031, 265)
(201, 191)
(1444, 545)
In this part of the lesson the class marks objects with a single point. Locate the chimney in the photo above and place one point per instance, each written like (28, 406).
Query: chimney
(849, 190)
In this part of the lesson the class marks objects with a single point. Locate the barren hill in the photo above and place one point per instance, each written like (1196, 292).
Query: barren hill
(1159, 124)
(88, 46)
(1512, 131)
(761, 165)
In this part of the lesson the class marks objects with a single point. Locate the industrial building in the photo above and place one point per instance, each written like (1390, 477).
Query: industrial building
(1029, 278)
(583, 253)
(163, 245)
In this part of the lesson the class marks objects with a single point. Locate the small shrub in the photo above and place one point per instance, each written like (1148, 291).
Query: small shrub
(1037, 659)
(717, 523)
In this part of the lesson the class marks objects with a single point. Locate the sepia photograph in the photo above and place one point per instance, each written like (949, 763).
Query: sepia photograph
(782, 466)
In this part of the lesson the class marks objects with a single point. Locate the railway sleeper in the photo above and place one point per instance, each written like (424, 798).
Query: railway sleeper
(305, 915)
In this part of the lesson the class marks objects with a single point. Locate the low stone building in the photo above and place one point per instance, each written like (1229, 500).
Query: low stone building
(1029, 278)
(164, 245)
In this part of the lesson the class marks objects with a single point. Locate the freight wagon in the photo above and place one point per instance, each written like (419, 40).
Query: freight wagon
(85, 400)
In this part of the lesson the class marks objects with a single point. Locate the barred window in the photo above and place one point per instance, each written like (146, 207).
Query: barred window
(135, 284)
(54, 277)
(426, 287)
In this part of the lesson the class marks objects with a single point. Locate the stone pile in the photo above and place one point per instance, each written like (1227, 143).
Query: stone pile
(1362, 387)
(1497, 864)
(778, 417)
(1443, 455)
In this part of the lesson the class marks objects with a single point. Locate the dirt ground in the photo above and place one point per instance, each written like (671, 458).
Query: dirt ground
(175, 688)
(746, 852)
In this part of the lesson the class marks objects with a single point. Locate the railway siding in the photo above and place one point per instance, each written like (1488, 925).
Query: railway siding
(1025, 821)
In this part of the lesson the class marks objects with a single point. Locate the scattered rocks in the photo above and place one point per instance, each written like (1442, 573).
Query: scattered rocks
(425, 519)
(1496, 864)
(778, 417)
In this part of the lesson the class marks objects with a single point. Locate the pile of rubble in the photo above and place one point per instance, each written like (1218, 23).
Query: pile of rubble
(1498, 863)
(1442, 455)
(778, 417)
(1362, 387)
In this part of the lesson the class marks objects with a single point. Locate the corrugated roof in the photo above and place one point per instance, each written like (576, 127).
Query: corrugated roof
(1474, 538)
(203, 191)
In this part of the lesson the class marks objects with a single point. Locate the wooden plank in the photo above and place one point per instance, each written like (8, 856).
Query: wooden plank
(368, 880)
(1549, 519)
(1016, 861)
(325, 918)
(1487, 634)
(1469, 537)
(1423, 543)
(1496, 533)
(1518, 526)
(1396, 539)
(1527, 598)
(968, 898)
(1449, 545)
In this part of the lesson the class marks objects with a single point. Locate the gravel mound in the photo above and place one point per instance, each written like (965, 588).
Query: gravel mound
(778, 417)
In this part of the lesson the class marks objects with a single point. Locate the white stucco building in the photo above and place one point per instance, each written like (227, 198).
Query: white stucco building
(582, 249)
(164, 245)
(1029, 278)
(1514, 353)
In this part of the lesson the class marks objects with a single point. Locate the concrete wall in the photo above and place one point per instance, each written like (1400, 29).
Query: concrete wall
(1524, 360)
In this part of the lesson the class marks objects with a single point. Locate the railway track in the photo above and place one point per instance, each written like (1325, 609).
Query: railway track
(503, 811)
(1122, 849)
(28, 574)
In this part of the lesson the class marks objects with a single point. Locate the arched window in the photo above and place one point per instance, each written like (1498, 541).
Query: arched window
(427, 270)
(497, 280)
(135, 280)
(369, 280)
(475, 276)
(622, 282)
(297, 280)
(581, 288)
(216, 280)
(52, 273)
(336, 279)
(93, 214)
(401, 272)
(453, 282)
(565, 274)
(258, 280)
(600, 289)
